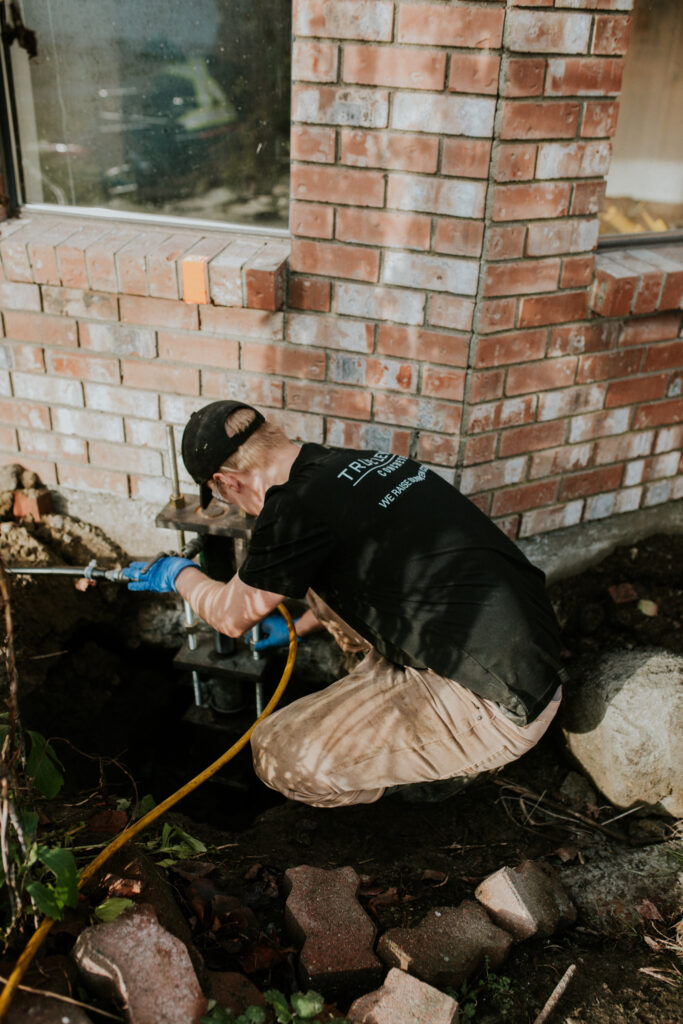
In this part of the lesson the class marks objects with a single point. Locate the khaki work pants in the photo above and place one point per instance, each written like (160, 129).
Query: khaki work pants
(383, 725)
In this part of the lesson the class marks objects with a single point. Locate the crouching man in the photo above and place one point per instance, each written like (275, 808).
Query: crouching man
(462, 670)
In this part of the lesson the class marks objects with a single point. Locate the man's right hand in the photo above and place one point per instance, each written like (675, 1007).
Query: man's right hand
(158, 576)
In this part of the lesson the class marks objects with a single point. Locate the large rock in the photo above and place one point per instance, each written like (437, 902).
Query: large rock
(624, 726)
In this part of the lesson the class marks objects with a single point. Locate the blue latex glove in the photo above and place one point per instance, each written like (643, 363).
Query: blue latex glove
(159, 576)
(274, 633)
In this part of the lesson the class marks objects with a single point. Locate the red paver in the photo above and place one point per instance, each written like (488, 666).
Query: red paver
(403, 999)
(323, 913)
(526, 901)
(31, 503)
(139, 965)
(447, 946)
(233, 991)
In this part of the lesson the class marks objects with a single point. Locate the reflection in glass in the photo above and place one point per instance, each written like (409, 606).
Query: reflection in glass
(161, 106)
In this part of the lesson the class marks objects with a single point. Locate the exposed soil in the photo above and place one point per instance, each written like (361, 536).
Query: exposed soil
(86, 675)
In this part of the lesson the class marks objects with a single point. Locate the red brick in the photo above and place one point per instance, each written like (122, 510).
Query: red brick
(386, 65)
(523, 202)
(515, 162)
(8, 440)
(595, 481)
(649, 285)
(539, 120)
(451, 198)
(16, 262)
(467, 27)
(553, 309)
(345, 19)
(614, 288)
(547, 32)
(494, 475)
(100, 258)
(459, 237)
(14, 295)
(480, 449)
(551, 373)
(669, 259)
(505, 243)
(350, 403)
(199, 350)
(427, 346)
(588, 197)
(524, 77)
(561, 236)
(599, 119)
(521, 346)
(362, 372)
(175, 379)
(511, 412)
(283, 360)
(611, 33)
(573, 159)
(84, 367)
(608, 365)
(24, 414)
(125, 457)
(314, 61)
(313, 220)
(664, 357)
(437, 450)
(131, 262)
(473, 72)
(48, 330)
(226, 272)
(339, 333)
(417, 413)
(497, 315)
(439, 383)
(248, 323)
(518, 499)
(353, 434)
(338, 185)
(577, 271)
(162, 264)
(668, 439)
(241, 387)
(639, 389)
(579, 338)
(42, 252)
(73, 271)
(546, 519)
(309, 142)
(21, 356)
(340, 105)
(558, 461)
(600, 424)
(402, 305)
(309, 293)
(451, 311)
(554, 405)
(486, 386)
(466, 158)
(523, 278)
(658, 414)
(393, 151)
(158, 312)
(264, 277)
(52, 446)
(89, 478)
(381, 227)
(532, 438)
(334, 260)
(38, 504)
(584, 76)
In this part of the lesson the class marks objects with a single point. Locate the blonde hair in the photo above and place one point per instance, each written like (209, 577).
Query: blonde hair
(256, 449)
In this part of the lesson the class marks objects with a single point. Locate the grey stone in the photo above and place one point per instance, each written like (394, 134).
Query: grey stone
(9, 476)
(137, 964)
(447, 946)
(526, 901)
(403, 999)
(624, 724)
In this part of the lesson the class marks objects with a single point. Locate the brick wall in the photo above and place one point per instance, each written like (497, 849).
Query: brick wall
(443, 297)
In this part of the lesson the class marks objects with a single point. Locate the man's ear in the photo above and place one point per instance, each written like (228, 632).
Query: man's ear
(230, 480)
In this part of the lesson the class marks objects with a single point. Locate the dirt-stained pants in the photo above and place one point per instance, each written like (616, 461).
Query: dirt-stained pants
(383, 725)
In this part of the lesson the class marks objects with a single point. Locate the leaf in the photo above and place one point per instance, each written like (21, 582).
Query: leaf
(279, 1004)
(307, 1004)
(44, 899)
(255, 1015)
(648, 608)
(111, 908)
(147, 804)
(649, 911)
(63, 865)
(43, 767)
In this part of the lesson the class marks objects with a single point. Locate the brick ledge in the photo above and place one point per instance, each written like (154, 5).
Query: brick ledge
(222, 268)
(638, 280)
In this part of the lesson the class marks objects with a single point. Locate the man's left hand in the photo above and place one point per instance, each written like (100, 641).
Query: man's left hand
(274, 633)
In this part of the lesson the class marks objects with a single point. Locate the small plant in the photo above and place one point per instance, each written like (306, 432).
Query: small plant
(495, 988)
(301, 1007)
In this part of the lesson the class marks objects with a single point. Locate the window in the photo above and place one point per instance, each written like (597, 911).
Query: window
(645, 182)
(155, 106)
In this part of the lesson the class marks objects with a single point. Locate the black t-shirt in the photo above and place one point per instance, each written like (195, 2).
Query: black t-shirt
(415, 568)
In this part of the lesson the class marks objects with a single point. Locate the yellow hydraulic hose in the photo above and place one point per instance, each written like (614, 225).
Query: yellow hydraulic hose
(36, 940)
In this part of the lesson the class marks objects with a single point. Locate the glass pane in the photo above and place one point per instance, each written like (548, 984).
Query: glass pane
(645, 182)
(158, 106)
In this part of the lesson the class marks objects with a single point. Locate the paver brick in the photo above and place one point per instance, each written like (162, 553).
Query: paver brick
(403, 999)
(138, 964)
(323, 913)
(526, 901)
(447, 946)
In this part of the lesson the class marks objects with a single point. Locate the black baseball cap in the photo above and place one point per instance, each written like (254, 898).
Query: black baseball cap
(206, 446)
